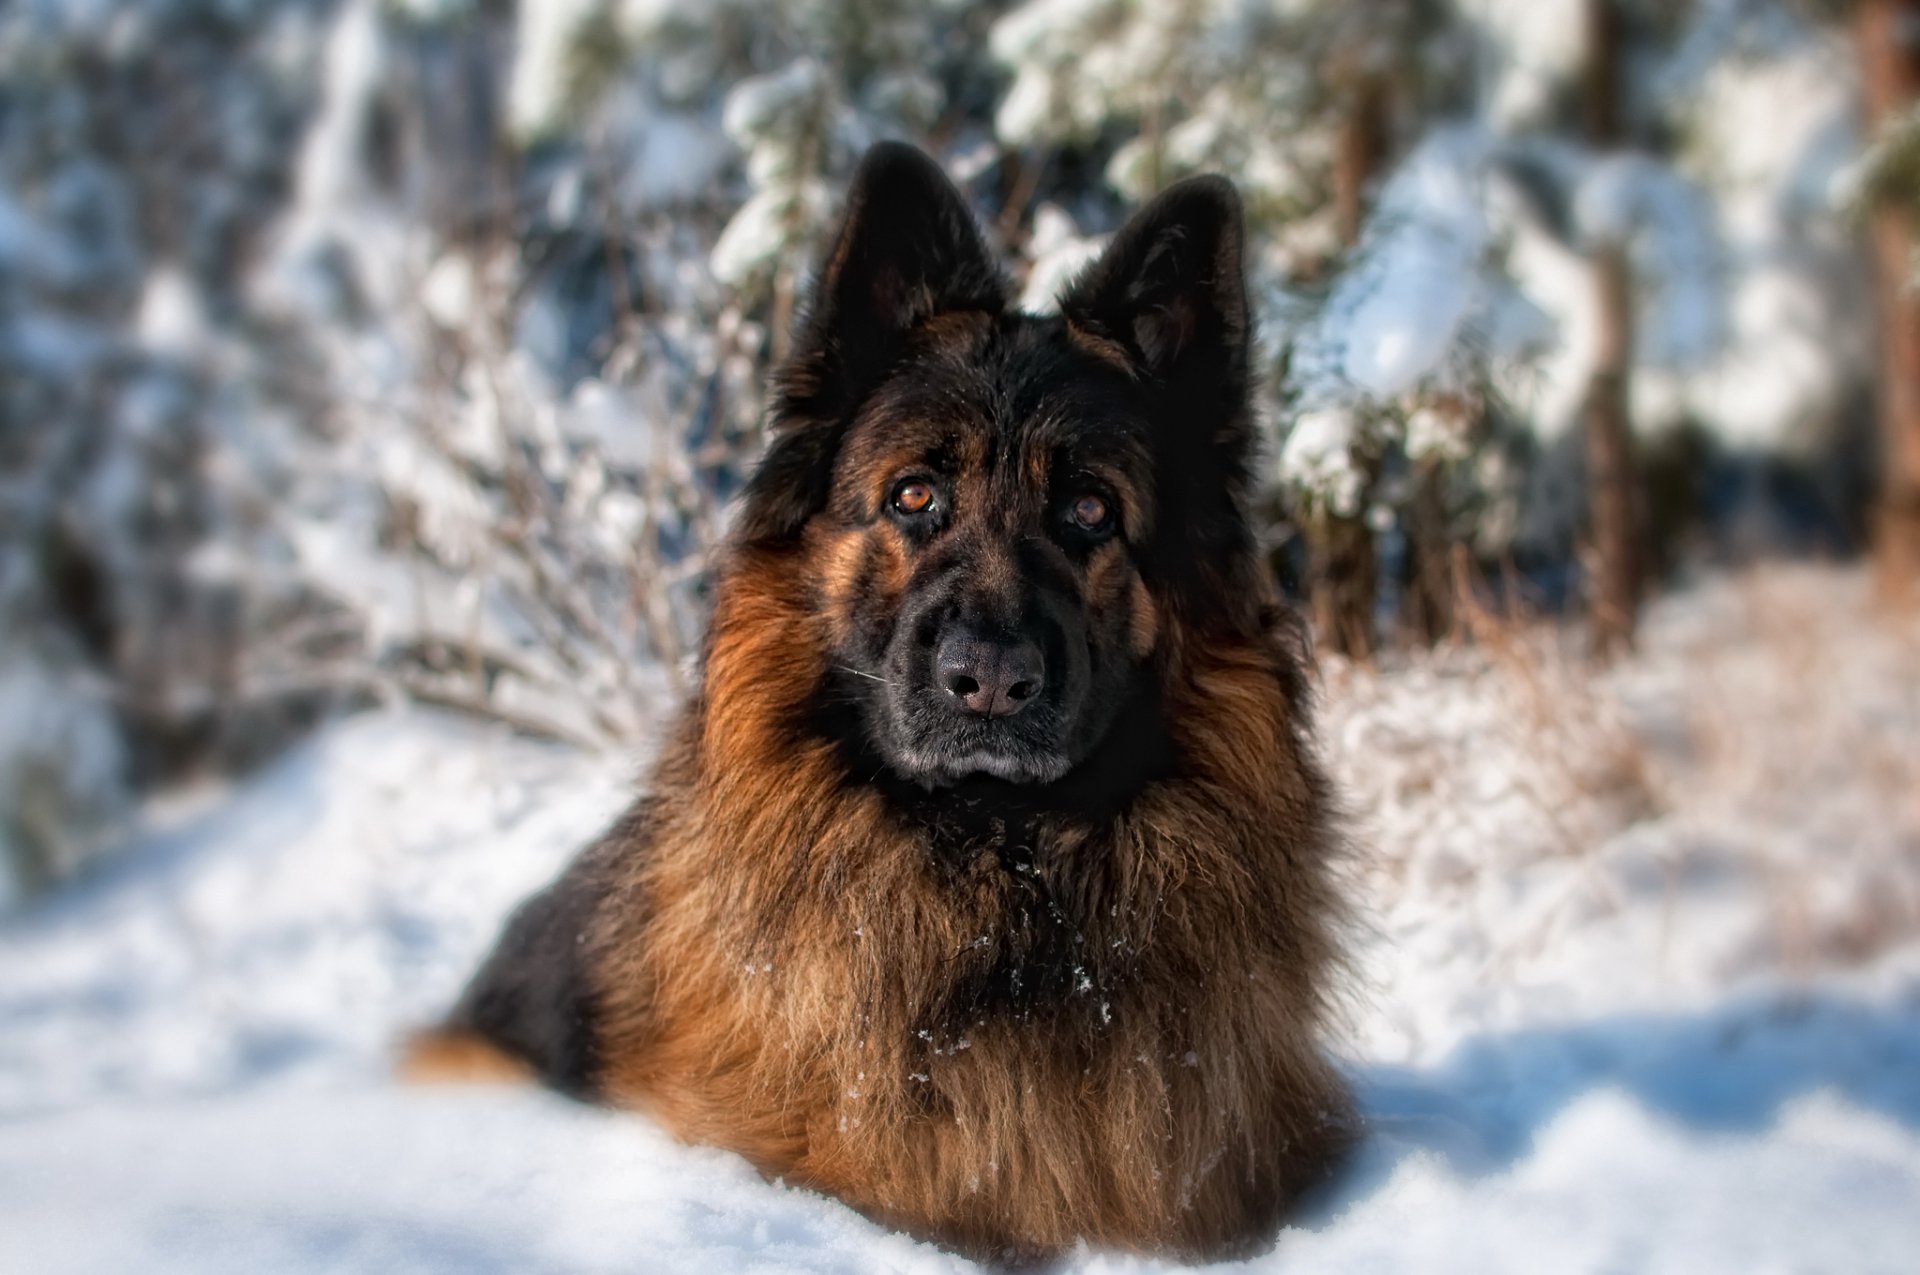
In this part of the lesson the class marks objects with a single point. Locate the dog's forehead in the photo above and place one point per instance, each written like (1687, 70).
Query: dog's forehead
(1016, 397)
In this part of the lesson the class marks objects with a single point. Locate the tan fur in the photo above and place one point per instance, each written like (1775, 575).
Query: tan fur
(780, 994)
(1143, 619)
(1104, 348)
(459, 1058)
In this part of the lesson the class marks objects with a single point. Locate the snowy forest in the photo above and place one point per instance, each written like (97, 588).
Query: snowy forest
(414, 347)
(376, 376)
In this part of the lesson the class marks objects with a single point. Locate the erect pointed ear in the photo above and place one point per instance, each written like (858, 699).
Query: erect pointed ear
(907, 249)
(1169, 295)
(1171, 289)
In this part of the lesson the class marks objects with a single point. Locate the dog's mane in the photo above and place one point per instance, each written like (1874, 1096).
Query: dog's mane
(803, 938)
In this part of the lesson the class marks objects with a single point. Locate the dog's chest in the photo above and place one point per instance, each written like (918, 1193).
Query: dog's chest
(1035, 941)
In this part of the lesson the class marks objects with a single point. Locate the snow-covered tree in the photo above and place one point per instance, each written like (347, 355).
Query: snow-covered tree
(140, 149)
(356, 348)
(1477, 285)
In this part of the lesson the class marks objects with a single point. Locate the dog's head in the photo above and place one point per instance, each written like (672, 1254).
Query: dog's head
(1011, 517)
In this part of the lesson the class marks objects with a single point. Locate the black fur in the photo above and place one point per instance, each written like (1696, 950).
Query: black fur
(535, 996)
(908, 248)
(1171, 290)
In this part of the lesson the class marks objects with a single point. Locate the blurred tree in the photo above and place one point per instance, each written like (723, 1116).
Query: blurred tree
(858, 72)
(1888, 37)
(1337, 89)
(364, 347)
(1613, 499)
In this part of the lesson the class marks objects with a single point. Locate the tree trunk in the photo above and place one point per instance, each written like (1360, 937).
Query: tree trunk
(1613, 522)
(1345, 580)
(1427, 584)
(1613, 550)
(1343, 572)
(1427, 599)
(1361, 150)
(1888, 34)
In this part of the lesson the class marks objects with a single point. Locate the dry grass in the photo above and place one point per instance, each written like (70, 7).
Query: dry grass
(1765, 737)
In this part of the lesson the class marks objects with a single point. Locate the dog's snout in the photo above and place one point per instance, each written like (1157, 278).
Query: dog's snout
(988, 678)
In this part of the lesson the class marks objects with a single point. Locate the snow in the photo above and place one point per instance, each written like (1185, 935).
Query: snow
(1678, 1197)
(447, 292)
(770, 103)
(334, 197)
(170, 320)
(1638, 989)
(763, 229)
(1027, 107)
(283, 1184)
(1396, 317)
(673, 159)
(330, 172)
(1474, 274)
(1655, 924)
(1076, 63)
(1059, 253)
(1318, 458)
(544, 37)
(1433, 432)
(1535, 47)
(784, 121)
(1421, 301)
(1797, 341)
(62, 770)
(1546, 378)
(283, 932)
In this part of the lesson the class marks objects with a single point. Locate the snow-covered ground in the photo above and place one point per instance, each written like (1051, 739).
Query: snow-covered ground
(1640, 989)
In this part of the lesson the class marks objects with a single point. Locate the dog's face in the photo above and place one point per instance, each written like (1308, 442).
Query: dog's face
(1002, 509)
(981, 536)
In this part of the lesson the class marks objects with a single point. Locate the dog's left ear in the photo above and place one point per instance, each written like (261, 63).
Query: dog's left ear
(907, 249)
(1171, 290)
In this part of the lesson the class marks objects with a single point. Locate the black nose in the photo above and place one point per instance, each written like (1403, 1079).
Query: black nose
(987, 678)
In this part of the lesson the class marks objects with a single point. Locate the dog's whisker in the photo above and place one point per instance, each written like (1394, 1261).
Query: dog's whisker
(871, 677)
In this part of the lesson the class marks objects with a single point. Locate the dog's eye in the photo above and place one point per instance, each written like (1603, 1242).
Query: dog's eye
(1090, 513)
(913, 497)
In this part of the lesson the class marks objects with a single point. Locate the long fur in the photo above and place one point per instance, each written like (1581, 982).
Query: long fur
(1004, 1025)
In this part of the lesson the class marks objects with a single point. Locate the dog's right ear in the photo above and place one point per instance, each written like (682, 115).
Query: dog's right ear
(906, 250)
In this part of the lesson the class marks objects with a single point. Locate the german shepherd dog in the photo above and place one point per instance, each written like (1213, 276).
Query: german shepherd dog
(987, 881)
